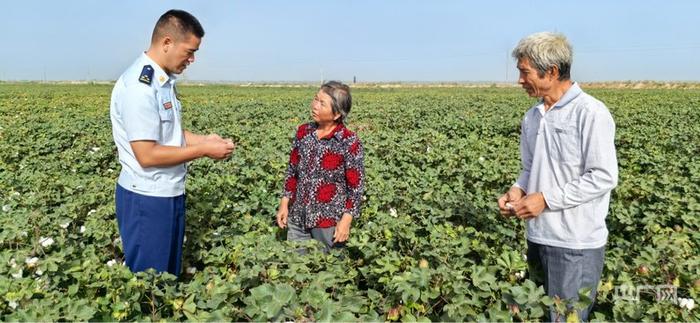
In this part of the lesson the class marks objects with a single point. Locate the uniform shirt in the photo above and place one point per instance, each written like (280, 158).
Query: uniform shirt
(325, 177)
(568, 154)
(144, 107)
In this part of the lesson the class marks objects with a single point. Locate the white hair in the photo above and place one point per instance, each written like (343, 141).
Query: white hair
(545, 50)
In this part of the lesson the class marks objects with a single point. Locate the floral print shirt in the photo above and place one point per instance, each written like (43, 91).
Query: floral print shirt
(325, 177)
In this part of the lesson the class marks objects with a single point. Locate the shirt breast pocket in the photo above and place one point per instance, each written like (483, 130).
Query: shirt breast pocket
(565, 145)
(166, 115)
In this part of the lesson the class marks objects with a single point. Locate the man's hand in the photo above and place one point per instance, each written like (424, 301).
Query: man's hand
(216, 138)
(506, 202)
(218, 148)
(342, 229)
(530, 207)
(192, 139)
(213, 136)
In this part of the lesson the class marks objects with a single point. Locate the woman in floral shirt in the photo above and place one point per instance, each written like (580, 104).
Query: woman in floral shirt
(325, 177)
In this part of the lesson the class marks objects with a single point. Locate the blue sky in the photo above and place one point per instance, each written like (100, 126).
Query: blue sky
(379, 41)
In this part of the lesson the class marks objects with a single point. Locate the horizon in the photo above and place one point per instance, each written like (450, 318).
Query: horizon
(388, 41)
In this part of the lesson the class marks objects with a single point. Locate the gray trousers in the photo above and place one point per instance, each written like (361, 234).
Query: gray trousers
(297, 232)
(564, 271)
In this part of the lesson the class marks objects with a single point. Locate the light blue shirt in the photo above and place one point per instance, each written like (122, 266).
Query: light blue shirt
(141, 111)
(568, 154)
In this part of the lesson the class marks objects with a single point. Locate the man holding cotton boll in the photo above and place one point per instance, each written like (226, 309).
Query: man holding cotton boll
(567, 147)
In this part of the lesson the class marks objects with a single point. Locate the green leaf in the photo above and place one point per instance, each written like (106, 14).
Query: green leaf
(189, 307)
(325, 314)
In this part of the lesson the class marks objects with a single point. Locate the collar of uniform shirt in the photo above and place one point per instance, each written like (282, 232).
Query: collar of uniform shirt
(570, 94)
(158, 73)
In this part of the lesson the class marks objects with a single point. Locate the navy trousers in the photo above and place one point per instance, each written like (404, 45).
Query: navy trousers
(564, 271)
(152, 230)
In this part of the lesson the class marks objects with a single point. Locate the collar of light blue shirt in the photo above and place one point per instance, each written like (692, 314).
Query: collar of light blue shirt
(568, 96)
(158, 72)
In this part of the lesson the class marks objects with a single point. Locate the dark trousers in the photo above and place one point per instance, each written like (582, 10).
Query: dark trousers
(297, 232)
(152, 230)
(564, 271)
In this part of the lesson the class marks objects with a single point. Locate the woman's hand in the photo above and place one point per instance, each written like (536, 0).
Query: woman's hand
(282, 213)
(342, 229)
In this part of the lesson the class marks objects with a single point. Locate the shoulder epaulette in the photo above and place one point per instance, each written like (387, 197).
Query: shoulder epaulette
(146, 75)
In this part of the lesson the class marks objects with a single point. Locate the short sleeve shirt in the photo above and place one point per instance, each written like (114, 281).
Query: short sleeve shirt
(144, 107)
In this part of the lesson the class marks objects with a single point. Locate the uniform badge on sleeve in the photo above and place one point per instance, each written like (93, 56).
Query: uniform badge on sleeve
(146, 75)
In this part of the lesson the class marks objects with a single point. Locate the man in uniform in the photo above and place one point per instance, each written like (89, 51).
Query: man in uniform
(153, 148)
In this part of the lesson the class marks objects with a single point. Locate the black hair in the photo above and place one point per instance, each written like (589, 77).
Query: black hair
(177, 23)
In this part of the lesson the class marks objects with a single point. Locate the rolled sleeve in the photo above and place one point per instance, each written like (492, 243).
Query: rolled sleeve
(139, 109)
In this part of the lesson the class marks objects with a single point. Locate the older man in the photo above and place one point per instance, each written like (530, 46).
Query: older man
(567, 147)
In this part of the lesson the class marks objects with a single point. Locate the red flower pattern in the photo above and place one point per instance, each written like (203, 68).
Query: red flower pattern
(302, 131)
(316, 176)
(326, 193)
(355, 147)
(291, 184)
(353, 177)
(294, 156)
(325, 222)
(331, 161)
